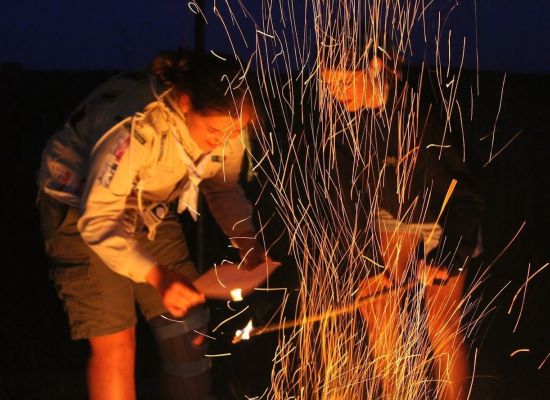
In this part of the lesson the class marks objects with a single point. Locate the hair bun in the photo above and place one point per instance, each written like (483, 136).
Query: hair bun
(170, 67)
(205, 78)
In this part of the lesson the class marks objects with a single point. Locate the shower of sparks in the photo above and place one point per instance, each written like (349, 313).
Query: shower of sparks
(333, 359)
(387, 348)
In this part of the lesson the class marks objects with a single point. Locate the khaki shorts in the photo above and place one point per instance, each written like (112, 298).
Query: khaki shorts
(97, 300)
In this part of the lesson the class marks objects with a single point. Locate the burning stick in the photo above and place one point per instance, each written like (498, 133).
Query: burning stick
(249, 331)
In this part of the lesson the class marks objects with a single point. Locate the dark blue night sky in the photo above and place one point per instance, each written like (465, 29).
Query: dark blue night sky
(513, 35)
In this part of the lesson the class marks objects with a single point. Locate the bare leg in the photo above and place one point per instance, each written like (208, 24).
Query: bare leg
(111, 366)
(382, 326)
(451, 357)
(383, 315)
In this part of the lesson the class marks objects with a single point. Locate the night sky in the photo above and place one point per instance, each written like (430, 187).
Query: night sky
(512, 35)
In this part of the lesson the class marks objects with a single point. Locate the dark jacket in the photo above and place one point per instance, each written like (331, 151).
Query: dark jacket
(411, 184)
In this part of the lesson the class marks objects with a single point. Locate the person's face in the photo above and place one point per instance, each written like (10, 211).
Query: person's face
(348, 87)
(355, 89)
(211, 130)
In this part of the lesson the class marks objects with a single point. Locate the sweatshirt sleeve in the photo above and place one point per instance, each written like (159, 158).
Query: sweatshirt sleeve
(461, 219)
(225, 196)
(106, 223)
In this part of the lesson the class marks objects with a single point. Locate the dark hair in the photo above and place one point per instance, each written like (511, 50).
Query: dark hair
(213, 83)
(356, 46)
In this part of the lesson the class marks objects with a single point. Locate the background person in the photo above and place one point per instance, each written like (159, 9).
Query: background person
(405, 180)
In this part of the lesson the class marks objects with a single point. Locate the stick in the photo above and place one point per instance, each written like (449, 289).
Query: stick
(330, 314)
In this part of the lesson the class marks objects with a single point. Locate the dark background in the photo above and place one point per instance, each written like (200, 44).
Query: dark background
(501, 35)
(52, 55)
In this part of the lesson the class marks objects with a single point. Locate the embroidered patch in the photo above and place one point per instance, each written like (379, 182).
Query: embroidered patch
(112, 159)
(64, 180)
(61, 179)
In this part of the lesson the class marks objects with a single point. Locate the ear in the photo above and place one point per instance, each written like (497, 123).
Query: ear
(184, 102)
(376, 66)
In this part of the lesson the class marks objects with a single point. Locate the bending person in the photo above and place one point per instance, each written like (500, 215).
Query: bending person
(112, 181)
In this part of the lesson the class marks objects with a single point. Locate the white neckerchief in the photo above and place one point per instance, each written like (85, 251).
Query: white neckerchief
(190, 192)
